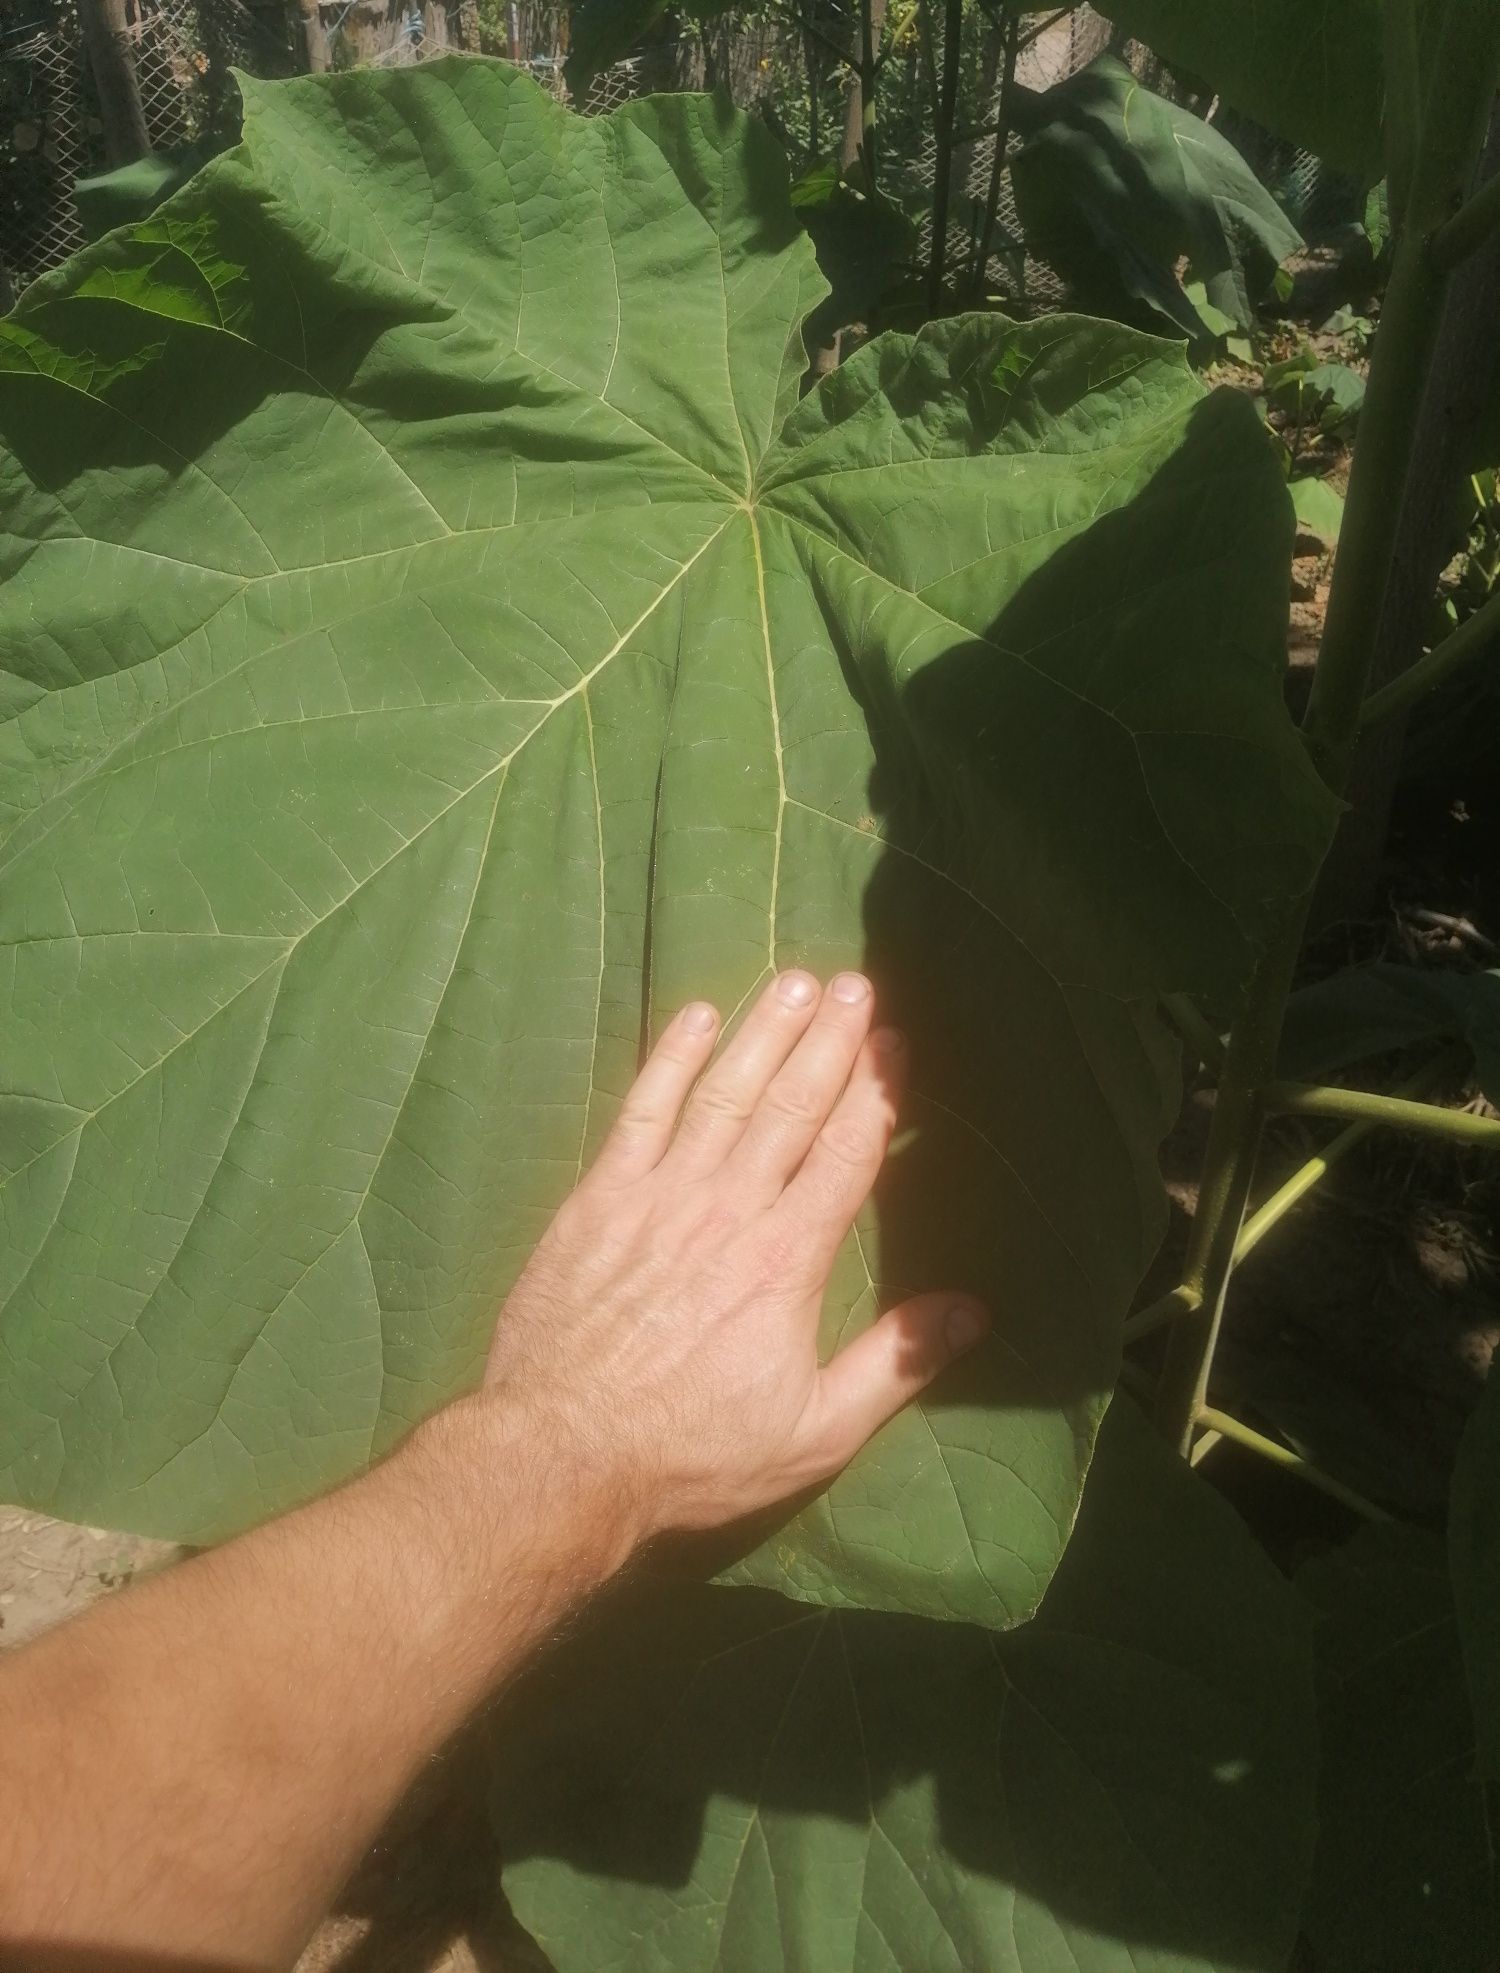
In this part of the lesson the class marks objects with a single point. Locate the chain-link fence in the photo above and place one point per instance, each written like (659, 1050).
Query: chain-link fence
(51, 132)
(183, 51)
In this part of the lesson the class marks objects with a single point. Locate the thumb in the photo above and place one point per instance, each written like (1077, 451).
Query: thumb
(868, 1382)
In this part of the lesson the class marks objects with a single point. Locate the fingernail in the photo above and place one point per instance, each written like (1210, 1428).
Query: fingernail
(887, 1041)
(963, 1326)
(698, 1017)
(850, 988)
(796, 989)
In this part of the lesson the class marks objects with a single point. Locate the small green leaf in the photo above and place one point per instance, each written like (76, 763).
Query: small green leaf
(1319, 507)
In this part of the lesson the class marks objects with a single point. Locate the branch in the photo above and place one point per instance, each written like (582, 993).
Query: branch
(1302, 1181)
(1473, 639)
(1157, 1314)
(1312, 1100)
(1291, 1462)
(1036, 33)
(843, 55)
(1476, 220)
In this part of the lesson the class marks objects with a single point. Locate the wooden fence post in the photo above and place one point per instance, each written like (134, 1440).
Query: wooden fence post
(314, 37)
(107, 39)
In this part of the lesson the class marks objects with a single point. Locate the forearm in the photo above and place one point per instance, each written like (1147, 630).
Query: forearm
(218, 1746)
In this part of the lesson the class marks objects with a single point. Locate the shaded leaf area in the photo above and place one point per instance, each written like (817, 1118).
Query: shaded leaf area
(714, 1780)
(1115, 186)
(1312, 71)
(1368, 1010)
(861, 239)
(439, 643)
(1402, 1880)
(1474, 1563)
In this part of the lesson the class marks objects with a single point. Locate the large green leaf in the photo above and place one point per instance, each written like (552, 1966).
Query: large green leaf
(439, 643)
(1312, 71)
(1369, 1010)
(708, 1781)
(1402, 1880)
(1116, 186)
(1474, 1561)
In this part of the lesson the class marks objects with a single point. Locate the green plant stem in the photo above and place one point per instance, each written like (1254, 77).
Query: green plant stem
(1360, 1105)
(1475, 222)
(1156, 1315)
(942, 177)
(1292, 1462)
(1224, 1187)
(1475, 638)
(1302, 1181)
(1194, 1030)
(1461, 76)
(1367, 540)
(997, 160)
(867, 87)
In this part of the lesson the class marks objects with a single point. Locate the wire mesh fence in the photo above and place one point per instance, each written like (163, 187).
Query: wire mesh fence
(183, 53)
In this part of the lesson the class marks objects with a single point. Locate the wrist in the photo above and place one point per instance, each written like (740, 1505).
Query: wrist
(519, 1500)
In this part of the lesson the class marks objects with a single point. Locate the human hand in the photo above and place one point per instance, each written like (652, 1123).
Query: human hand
(665, 1330)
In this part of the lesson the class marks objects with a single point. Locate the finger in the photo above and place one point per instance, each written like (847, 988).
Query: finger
(643, 1129)
(844, 1162)
(868, 1382)
(727, 1096)
(799, 1099)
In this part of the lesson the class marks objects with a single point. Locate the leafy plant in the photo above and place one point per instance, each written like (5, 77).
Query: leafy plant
(1122, 1783)
(709, 681)
(499, 648)
(1327, 397)
(1312, 70)
(1116, 187)
(347, 876)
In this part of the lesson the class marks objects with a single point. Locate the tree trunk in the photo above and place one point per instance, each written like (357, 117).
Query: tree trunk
(314, 36)
(108, 42)
(1465, 374)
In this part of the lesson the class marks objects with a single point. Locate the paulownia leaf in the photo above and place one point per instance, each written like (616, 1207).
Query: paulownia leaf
(439, 643)
(1474, 1561)
(1402, 1878)
(1115, 186)
(1368, 1010)
(1313, 71)
(715, 1782)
